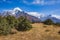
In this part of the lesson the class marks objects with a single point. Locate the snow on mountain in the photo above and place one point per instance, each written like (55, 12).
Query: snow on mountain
(36, 14)
(43, 16)
(54, 18)
(6, 12)
(11, 12)
(15, 10)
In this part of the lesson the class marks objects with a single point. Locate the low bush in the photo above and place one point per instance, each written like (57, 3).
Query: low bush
(47, 30)
(44, 26)
(4, 27)
(24, 25)
(48, 22)
(57, 24)
(59, 32)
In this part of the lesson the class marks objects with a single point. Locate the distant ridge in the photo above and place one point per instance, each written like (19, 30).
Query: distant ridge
(17, 12)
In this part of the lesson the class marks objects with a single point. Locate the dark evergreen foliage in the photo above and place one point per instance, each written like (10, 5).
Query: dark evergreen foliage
(48, 22)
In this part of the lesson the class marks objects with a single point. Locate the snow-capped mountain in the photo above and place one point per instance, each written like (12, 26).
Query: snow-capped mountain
(32, 16)
(17, 12)
(11, 12)
(54, 18)
(36, 14)
(43, 17)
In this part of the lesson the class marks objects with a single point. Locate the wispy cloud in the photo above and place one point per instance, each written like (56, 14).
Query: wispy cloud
(42, 2)
(38, 2)
(6, 1)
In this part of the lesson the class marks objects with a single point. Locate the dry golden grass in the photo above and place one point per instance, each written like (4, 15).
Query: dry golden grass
(38, 32)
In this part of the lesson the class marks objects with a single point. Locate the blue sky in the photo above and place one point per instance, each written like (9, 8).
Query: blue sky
(38, 6)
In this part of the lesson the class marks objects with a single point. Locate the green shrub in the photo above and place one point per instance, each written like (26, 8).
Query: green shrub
(24, 24)
(47, 30)
(10, 22)
(48, 22)
(4, 27)
(59, 32)
(57, 24)
(44, 26)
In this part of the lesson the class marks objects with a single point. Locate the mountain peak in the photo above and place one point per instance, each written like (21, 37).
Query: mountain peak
(17, 8)
(56, 16)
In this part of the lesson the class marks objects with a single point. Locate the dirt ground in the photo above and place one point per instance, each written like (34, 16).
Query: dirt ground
(38, 32)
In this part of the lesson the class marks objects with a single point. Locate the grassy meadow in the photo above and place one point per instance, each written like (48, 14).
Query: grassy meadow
(39, 31)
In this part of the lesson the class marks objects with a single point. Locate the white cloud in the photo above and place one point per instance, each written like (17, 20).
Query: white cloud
(38, 2)
(36, 14)
(26, 2)
(57, 16)
(42, 2)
